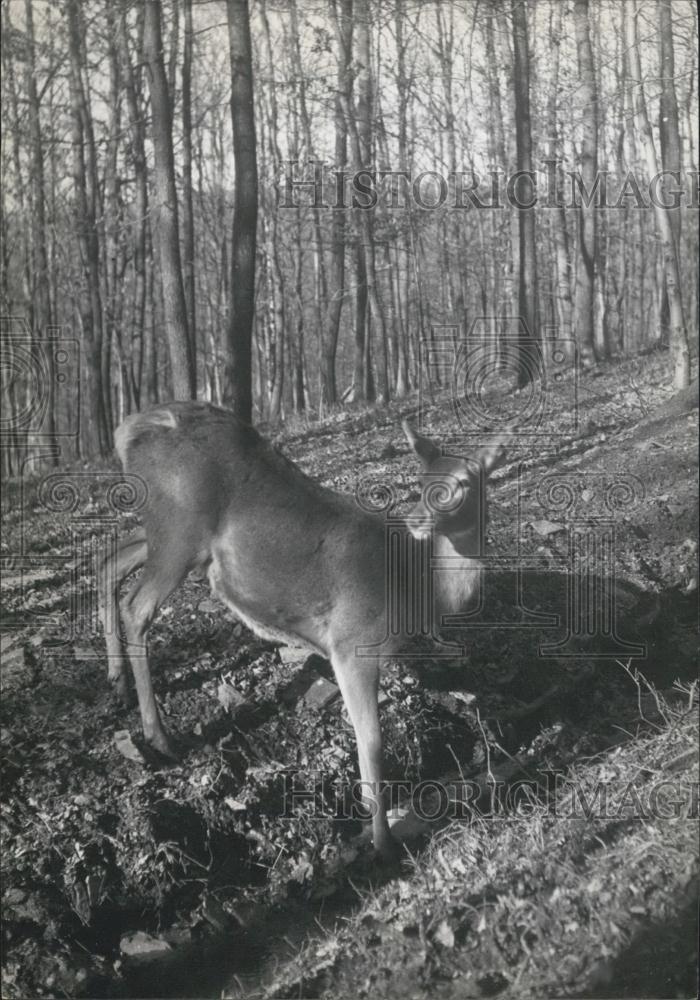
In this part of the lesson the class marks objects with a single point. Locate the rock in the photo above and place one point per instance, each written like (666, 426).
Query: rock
(320, 694)
(444, 935)
(546, 528)
(292, 654)
(127, 748)
(141, 946)
(229, 697)
(207, 605)
(464, 696)
(21, 905)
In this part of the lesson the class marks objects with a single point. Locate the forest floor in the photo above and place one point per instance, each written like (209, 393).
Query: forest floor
(573, 871)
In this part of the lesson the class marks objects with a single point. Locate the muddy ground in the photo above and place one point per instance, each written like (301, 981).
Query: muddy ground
(122, 877)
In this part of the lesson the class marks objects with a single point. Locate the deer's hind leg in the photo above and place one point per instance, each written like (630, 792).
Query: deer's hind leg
(130, 555)
(166, 567)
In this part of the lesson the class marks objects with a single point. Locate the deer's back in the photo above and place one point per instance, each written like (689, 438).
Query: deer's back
(213, 480)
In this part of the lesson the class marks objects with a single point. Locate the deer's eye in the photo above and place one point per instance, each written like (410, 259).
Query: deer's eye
(443, 495)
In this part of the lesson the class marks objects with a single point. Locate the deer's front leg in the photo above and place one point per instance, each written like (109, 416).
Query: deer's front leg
(358, 679)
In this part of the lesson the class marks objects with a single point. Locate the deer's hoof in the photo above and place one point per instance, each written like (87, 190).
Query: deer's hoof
(161, 743)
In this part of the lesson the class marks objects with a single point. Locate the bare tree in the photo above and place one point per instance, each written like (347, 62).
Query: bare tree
(164, 208)
(586, 259)
(187, 205)
(272, 242)
(329, 392)
(91, 241)
(136, 156)
(245, 213)
(87, 211)
(557, 214)
(327, 312)
(42, 318)
(527, 286)
(678, 336)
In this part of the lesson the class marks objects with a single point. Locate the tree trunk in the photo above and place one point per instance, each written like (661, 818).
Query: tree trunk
(245, 213)
(188, 211)
(557, 214)
(327, 311)
(94, 430)
(586, 260)
(678, 335)
(273, 245)
(115, 263)
(360, 125)
(16, 399)
(329, 343)
(401, 274)
(137, 155)
(164, 208)
(527, 285)
(40, 262)
(298, 396)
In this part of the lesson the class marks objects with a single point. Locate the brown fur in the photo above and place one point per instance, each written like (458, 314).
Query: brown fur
(298, 563)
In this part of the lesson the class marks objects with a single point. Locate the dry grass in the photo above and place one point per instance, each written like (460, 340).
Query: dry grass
(586, 893)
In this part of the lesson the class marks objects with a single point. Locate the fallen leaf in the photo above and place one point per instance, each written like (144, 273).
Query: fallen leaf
(142, 945)
(229, 697)
(547, 528)
(444, 935)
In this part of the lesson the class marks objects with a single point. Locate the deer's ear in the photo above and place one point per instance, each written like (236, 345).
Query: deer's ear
(424, 448)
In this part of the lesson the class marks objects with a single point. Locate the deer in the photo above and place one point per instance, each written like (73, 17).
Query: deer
(294, 561)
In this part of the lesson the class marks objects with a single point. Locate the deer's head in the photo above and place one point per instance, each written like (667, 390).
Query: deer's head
(453, 503)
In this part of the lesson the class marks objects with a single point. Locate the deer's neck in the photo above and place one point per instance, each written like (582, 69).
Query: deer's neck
(457, 575)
